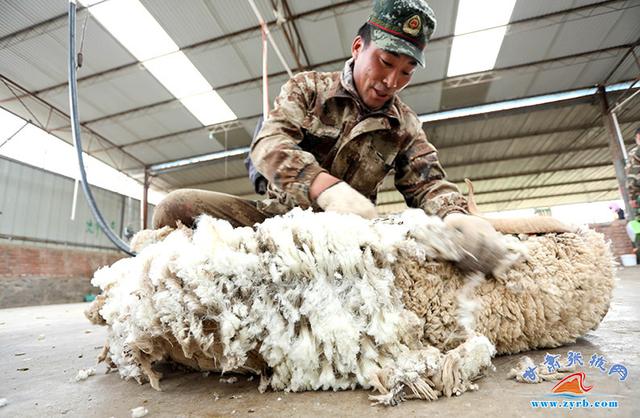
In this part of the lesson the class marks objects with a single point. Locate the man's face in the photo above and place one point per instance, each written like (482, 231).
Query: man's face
(379, 74)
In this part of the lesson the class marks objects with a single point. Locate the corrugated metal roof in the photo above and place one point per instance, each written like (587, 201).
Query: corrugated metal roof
(188, 23)
(128, 106)
(18, 14)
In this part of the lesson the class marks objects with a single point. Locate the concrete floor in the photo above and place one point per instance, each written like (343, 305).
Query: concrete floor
(42, 348)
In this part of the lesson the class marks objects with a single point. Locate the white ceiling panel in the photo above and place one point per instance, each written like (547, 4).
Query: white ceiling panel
(100, 50)
(445, 11)
(556, 79)
(129, 92)
(436, 62)
(44, 54)
(86, 109)
(328, 30)
(233, 16)
(301, 6)
(526, 8)
(116, 132)
(148, 154)
(221, 65)
(20, 14)
(597, 71)
(504, 88)
(39, 61)
(153, 124)
(250, 51)
(194, 21)
(526, 45)
(20, 69)
(626, 29)
(422, 100)
(584, 34)
(201, 144)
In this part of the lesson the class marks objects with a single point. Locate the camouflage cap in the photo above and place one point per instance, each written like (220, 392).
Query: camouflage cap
(402, 26)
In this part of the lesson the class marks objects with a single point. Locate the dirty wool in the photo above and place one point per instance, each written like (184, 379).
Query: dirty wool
(319, 301)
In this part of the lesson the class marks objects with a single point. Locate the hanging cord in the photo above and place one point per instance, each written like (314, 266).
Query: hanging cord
(84, 29)
(265, 28)
(74, 202)
(265, 72)
(75, 131)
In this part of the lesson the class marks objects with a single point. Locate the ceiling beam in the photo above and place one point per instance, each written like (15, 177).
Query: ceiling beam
(476, 193)
(619, 63)
(529, 187)
(250, 31)
(48, 25)
(601, 190)
(173, 134)
(587, 55)
(292, 21)
(436, 141)
(549, 196)
(255, 29)
(172, 102)
(529, 135)
(531, 155)
(216, 183)
(52, 108)
(242, 152)
(534, 172)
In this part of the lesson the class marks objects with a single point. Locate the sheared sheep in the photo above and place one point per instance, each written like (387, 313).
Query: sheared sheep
(313, 301)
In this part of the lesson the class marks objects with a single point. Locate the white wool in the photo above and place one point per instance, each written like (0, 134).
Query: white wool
(3, 402)
(313, 293)
(467, 303)
(139, 412)
(542, 373)
(83, 374)
(478, 352)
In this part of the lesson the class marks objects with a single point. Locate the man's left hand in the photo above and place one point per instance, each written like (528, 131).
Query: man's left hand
(483, 245)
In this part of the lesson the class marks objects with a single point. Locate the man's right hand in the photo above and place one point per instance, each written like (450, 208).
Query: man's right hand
(342, 198)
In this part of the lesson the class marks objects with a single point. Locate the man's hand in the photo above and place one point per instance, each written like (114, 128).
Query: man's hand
(483, 245)
(342, 198)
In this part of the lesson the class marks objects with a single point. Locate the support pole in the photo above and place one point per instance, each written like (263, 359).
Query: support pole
(617, 149)
(144, 204)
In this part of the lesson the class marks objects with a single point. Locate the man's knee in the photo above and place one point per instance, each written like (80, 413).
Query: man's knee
(176, 206)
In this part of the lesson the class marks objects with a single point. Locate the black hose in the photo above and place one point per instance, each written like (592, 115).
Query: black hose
(75, 131)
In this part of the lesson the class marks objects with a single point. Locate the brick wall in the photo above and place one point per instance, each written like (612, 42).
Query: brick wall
(19, 261)
(32, 275)
(616, 232)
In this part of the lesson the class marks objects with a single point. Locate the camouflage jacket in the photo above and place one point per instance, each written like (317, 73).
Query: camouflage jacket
(633, 173)
(320, 124)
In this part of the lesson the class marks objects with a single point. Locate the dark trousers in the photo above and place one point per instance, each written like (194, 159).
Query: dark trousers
(185, 205)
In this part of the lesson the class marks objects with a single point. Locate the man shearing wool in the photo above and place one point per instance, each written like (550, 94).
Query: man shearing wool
(332, 137)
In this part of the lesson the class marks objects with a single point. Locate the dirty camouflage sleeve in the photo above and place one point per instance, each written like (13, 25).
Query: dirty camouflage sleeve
(276, 153)
(422, 180)
(633, 174)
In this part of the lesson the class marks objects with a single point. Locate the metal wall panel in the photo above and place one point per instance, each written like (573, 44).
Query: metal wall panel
(36, 204)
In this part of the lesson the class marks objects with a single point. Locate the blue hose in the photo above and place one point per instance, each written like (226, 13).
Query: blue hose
(75, 131)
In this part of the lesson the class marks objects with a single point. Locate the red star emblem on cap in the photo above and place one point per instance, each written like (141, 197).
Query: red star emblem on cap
(412, 25)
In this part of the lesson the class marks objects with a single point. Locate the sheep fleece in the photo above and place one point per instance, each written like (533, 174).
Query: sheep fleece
(315, 301)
